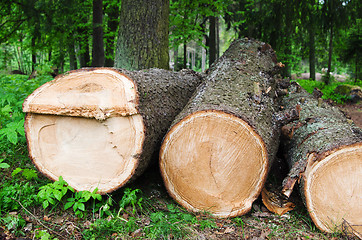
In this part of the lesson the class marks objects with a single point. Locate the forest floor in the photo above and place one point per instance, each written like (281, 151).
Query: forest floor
(353, 111)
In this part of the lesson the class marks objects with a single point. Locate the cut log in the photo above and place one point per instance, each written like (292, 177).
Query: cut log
(216, 155)
(98, 128)
(324, 152)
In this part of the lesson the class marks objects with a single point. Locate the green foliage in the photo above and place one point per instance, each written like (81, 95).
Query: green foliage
(13, 190)
(3, 165)
(131, 198)
(51, 192)
(104, 228)
(28, 174)
(13, 223)
(79, 199)
(327, 90)
(44, 235)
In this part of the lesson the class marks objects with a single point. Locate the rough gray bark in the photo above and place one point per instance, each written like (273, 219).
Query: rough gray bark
(163, 94)
(323, 135)
(152, 99)
(143, 35)
(240, 85)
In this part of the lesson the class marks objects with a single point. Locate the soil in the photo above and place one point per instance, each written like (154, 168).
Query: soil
(353, 111)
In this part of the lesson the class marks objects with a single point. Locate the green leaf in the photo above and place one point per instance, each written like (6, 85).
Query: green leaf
(30, 174)
(16, 171)
(81, 206)
(45, 204)
(12, 137)
(68, 205)
(4, 165)
(58, 195)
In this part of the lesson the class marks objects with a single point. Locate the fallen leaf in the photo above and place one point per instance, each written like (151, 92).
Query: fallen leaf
(137, 233)
(229, 230)
(28, 227)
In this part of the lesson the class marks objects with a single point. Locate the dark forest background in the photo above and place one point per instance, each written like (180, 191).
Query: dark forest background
(310, 36)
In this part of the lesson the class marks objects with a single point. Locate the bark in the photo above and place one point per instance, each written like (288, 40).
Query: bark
(72, 58)
(212, 40)
(324, 152)
(217, 153)
(98, 128)
(312, 59)
(112, 23)
(143, 35)
(330, 52)
(98, 45)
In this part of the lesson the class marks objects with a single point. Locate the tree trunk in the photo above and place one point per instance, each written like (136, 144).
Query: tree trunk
(324, 152)
(112, 23)
(311, 44)
(98, 46)
(143, 35)
(72, 58)
(330, 51)
(212, 40)
(216, 155)
(98, 128)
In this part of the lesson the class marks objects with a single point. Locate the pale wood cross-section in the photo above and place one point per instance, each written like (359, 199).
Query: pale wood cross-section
(214, 161)
(84, 126)
(99, 127)
(333, 190)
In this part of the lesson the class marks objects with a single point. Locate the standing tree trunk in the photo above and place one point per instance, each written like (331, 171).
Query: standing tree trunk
(98, 46)
(212, 40)
(72, 58)
(312, 59)
(112, 23)
(143, 35)
(99, 127)
(217, 153)
(330, 52)
(324, 152)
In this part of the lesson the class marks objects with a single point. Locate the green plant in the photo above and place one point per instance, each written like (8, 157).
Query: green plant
(131, 198)
(105, 228)
(77, 202)
(327, 90)
(51, 192)
(3, 165)
(13, 223)
(28, 174)
(13, 191)
(44, 235)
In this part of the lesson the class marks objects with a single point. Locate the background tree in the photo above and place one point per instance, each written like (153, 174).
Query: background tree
(98, 46)
(143, 34)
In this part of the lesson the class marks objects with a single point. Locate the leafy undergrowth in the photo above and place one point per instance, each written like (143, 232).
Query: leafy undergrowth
(32, 207)
(328, 90)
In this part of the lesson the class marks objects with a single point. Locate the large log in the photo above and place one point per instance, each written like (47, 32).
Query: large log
(217, 153)
(324, 152)
(98, 128)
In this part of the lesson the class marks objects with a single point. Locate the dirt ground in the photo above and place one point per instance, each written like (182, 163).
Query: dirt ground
(354, 112)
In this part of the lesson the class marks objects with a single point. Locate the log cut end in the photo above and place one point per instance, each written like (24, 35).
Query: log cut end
(93, 93)
(333, 189)
(214, 161)
(84, 126)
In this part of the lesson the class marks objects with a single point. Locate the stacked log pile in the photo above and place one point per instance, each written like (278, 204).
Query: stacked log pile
(99, 128)
(324, 151)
